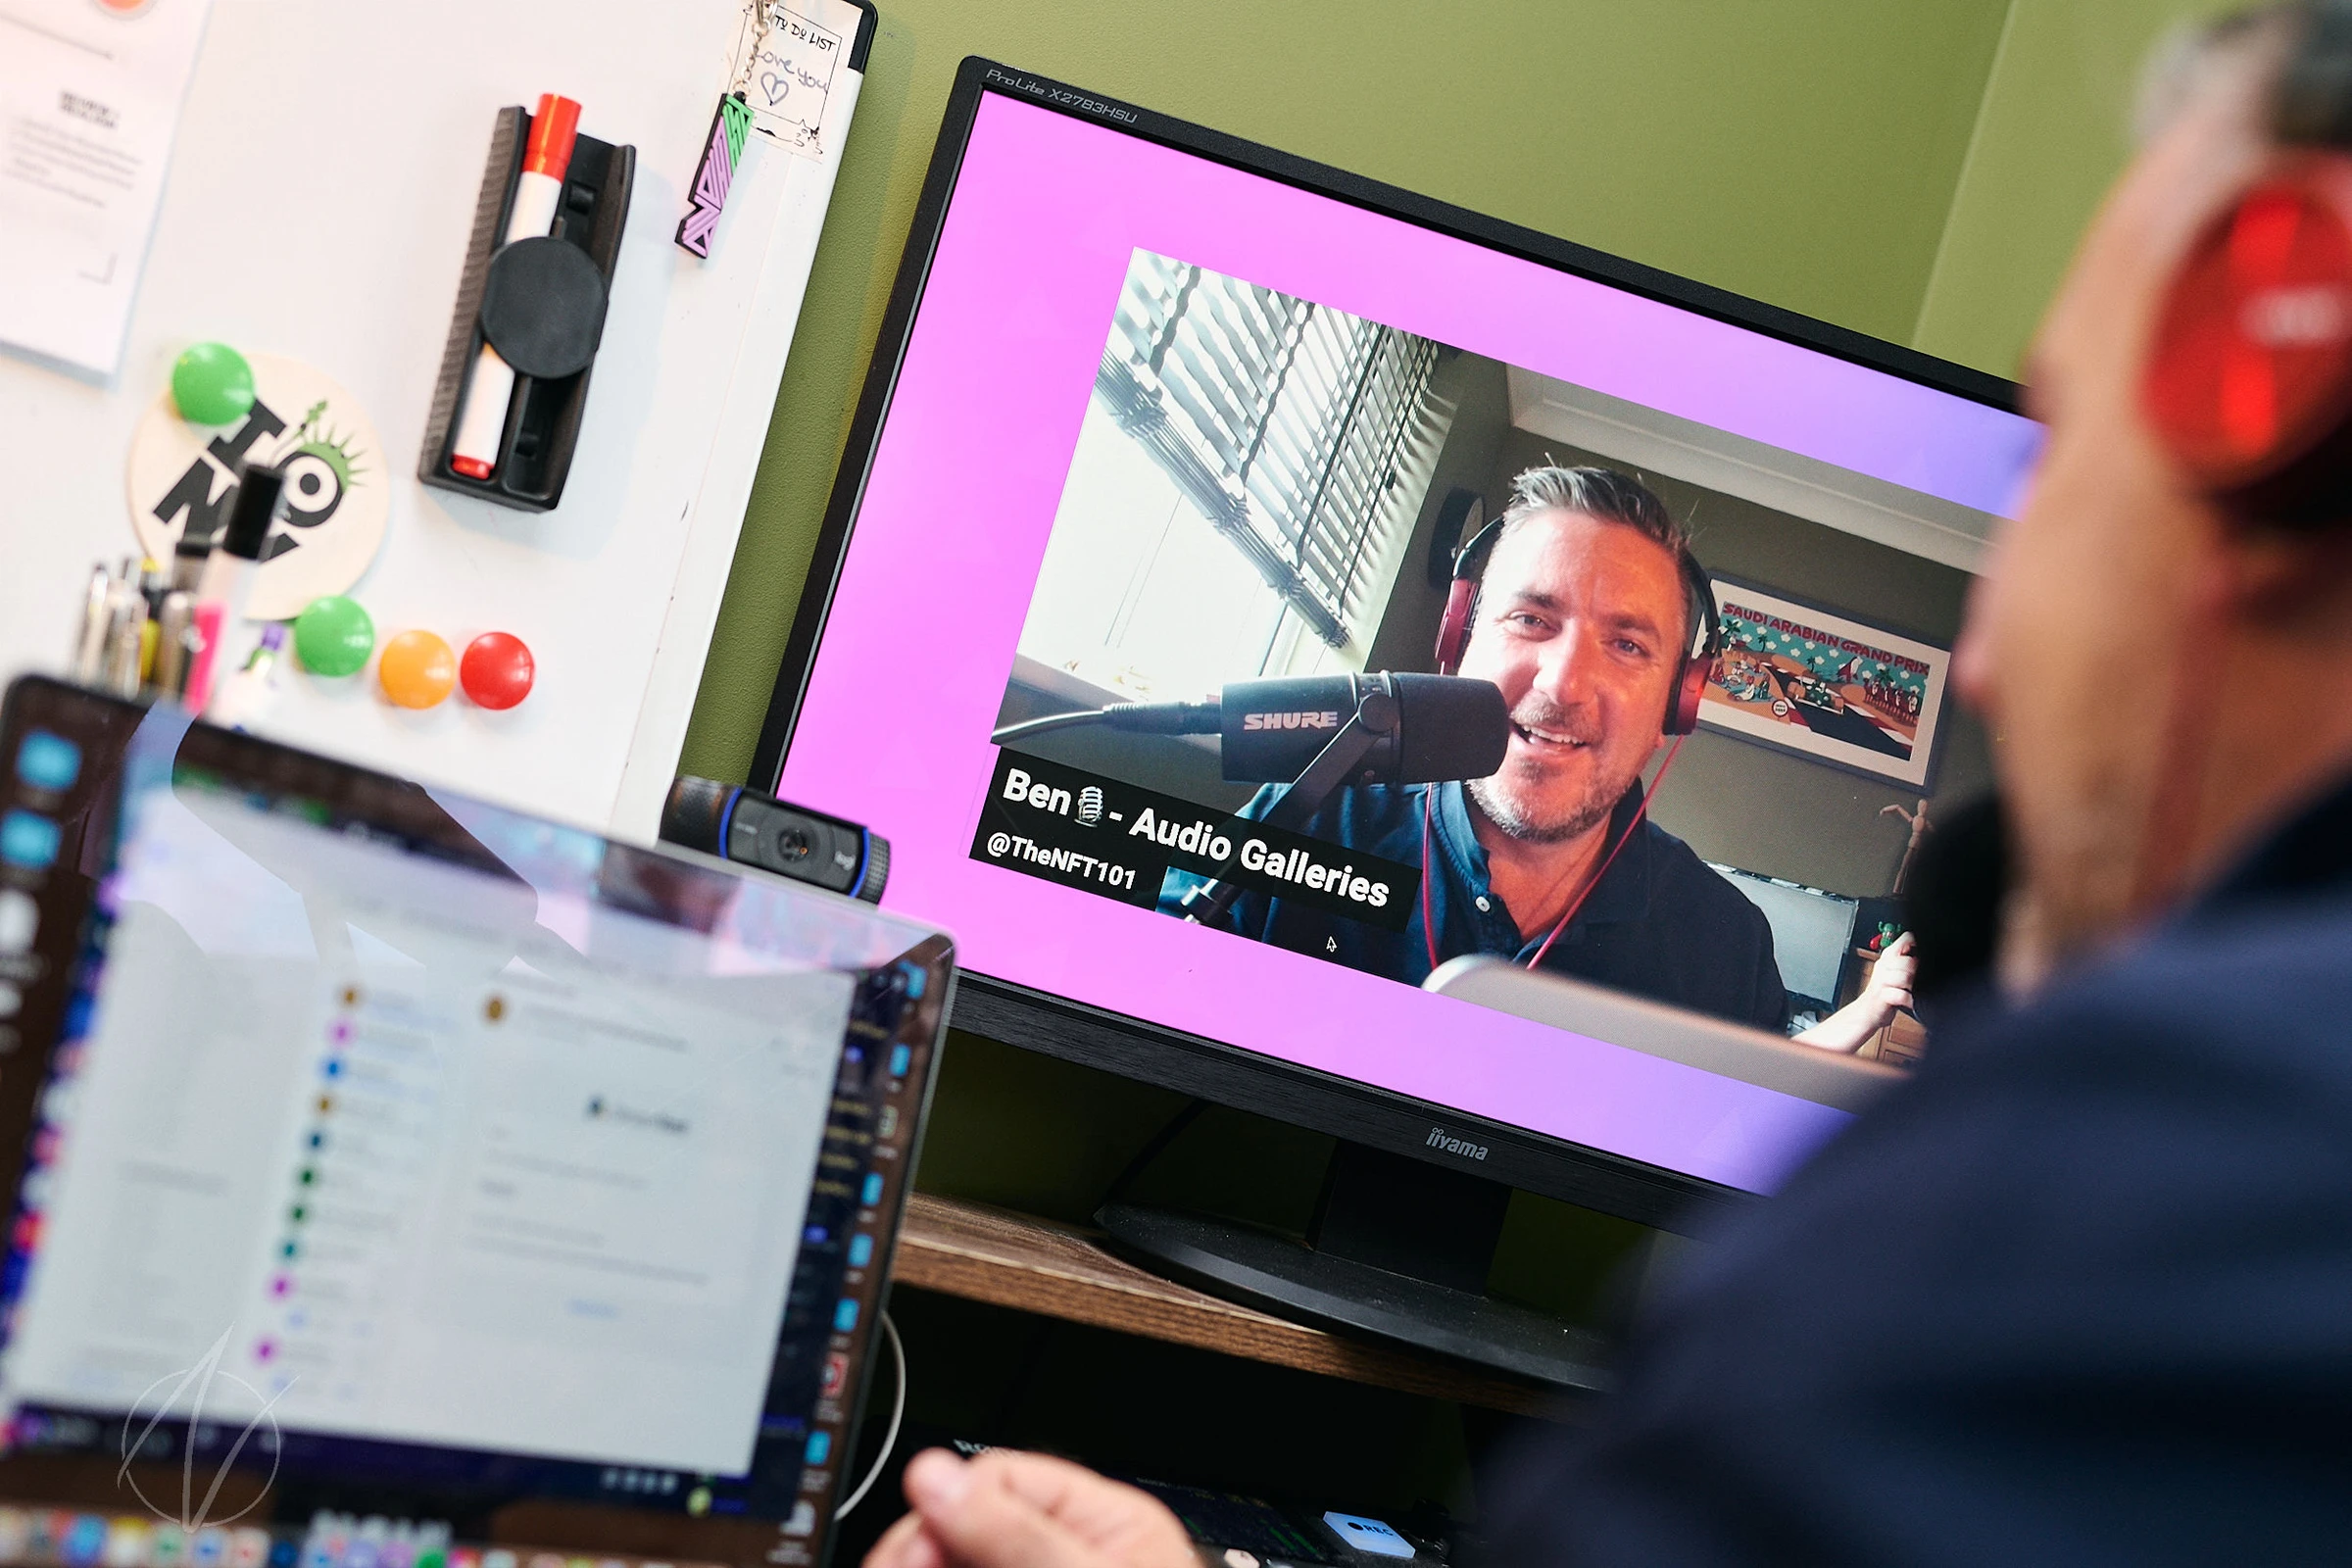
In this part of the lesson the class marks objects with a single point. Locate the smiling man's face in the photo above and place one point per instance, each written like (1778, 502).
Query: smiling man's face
(1582, 622)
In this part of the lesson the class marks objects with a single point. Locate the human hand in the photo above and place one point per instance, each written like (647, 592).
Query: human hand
(1887, 990)
(1025, 1510)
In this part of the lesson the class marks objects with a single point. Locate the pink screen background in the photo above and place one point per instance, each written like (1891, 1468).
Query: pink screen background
(1047, 212)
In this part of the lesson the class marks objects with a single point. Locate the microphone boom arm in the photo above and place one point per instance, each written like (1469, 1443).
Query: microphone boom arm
(1375, 719)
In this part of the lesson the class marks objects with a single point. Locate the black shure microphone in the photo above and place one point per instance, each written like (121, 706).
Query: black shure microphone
(1448, 728)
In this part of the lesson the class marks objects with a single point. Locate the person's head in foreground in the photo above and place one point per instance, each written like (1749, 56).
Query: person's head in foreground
(1583, 618)
(2081, 1291)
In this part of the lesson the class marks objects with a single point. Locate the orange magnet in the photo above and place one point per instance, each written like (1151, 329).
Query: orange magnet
(417, 670)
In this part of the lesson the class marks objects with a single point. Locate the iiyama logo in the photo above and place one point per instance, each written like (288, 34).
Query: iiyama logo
(1326, 719)
(1455, 1145)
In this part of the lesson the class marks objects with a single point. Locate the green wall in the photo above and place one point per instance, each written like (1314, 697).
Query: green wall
(1917, 170)
(2053, 131)
(1912, 169)
(1804, 153)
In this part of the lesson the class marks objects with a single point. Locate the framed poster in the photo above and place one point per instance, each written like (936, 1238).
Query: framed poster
(1825, 686)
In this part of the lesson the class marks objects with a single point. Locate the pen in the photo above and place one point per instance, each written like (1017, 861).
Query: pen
(207, 625)
(153, 585)
(247, 694)
(125, 633)
(175, 625)
(546, 158)
(189, 555)
(228, 573)
(90, 650)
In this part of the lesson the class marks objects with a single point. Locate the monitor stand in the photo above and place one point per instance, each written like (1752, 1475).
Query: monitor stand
(1399, 1248)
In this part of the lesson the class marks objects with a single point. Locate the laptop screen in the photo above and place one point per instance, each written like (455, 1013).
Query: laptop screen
(405, 1141)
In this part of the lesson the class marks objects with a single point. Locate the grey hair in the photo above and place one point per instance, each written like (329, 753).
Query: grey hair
(1602, 493)
(1594, 492)
(2192, 59)
(2294, 55)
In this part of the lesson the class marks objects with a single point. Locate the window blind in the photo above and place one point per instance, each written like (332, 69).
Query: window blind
(1281, 421)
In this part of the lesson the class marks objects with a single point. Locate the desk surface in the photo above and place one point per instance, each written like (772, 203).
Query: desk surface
(1033, 1266)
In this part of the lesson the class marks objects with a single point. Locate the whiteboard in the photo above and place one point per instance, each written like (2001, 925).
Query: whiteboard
(318, 207)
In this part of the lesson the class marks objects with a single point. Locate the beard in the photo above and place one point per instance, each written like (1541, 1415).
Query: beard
(1527, 814)
(1521, 821)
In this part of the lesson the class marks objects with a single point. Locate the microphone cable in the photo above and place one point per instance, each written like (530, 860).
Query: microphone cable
(1142, 719)
(1051, 721)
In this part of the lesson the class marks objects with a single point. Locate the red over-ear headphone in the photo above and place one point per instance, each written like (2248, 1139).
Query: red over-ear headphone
(1690, 676)
(2249, 376)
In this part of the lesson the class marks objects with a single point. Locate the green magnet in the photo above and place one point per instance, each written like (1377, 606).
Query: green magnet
(333, 636)
(212, 384)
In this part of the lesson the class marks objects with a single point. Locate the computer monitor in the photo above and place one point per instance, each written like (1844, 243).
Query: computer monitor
(1812, 933)
(405, 1179)
(1155, 412)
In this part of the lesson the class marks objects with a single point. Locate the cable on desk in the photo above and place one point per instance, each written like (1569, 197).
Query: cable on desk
(898, 1413)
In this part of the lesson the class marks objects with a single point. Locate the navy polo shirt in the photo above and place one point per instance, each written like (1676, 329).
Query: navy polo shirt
(2080, 1293)
(1658, 924)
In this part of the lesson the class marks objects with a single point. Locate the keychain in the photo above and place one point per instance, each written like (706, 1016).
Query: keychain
(722, 152)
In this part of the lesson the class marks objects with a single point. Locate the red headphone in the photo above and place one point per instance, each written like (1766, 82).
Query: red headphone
(2249, 377)
(1690, 676)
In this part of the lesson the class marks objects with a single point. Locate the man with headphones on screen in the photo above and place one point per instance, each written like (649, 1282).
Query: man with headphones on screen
(2079, 1291)
(1584, 605)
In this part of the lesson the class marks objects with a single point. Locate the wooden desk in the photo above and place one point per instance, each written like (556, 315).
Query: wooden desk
(1033, 1265)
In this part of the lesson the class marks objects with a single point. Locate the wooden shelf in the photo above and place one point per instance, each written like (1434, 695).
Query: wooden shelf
(1033, 1266)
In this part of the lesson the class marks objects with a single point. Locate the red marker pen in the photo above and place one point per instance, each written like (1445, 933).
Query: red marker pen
(545, 160)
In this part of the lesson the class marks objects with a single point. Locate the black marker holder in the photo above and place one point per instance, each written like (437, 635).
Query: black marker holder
(540, 302)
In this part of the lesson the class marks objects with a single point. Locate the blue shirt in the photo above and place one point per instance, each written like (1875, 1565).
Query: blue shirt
(2079, 1292)
(1658, 923)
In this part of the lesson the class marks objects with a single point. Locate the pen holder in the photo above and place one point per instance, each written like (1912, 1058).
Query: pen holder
(540, 302)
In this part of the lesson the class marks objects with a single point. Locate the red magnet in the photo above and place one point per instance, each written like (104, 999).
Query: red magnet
(496, 671)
